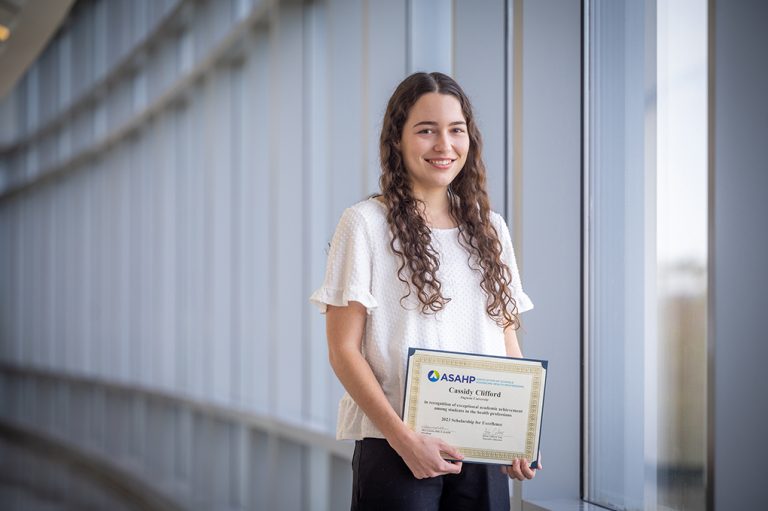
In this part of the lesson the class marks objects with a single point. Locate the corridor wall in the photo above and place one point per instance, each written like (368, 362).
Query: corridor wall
(170, 176)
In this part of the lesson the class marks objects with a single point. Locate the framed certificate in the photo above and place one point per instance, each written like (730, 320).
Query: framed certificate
(488, 407)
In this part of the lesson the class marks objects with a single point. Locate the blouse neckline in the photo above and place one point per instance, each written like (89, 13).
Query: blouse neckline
(432, 229)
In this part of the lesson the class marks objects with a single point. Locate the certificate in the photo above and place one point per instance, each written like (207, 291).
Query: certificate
(488, 407)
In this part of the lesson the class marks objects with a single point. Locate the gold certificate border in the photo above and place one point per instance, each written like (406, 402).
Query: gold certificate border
(498, 365)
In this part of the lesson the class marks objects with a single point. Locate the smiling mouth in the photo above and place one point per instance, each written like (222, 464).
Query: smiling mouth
(441, 163)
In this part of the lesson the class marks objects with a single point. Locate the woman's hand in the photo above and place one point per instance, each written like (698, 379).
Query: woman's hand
(521, 469)
(345, 327)
(423, 456)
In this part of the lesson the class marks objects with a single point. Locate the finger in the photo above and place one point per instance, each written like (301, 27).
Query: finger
(514, 470)
(451, 452)
(453, 468)
(526, 469)
(520, 470)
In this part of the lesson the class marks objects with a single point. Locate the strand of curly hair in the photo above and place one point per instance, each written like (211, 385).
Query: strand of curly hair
(470, 208)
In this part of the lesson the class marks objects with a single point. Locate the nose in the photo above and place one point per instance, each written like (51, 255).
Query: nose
(442, 143)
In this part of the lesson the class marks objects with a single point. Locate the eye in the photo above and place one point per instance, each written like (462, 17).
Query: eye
(459, 130)
(426, 131)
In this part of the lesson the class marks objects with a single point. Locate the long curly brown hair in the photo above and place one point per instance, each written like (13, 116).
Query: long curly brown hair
(469, 207)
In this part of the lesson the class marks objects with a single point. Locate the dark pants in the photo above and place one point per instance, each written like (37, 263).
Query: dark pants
(382, 481)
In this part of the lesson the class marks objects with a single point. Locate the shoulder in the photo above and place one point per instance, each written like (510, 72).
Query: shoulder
(365, 218)
(498, 222)
(502, 230)
(368, 214)
(369, 208)
(497, 219)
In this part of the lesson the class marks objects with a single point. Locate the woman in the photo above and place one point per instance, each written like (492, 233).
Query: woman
(425, 264)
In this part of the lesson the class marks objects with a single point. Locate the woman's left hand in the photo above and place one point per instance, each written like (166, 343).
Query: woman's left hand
(521, 469)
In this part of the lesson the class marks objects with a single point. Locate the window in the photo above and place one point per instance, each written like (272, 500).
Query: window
(646, 254)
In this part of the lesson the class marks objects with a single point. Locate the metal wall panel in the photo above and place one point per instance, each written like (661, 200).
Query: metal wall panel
(738, 251)
(549, 246)
(286, 116)
(346, 135)
(431, 26)
(385, 64)
(319, 386)
(254, 193)
(219, 175)
(480, 65)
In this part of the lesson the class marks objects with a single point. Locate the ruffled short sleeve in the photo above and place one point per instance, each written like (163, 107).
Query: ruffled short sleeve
(524, 303)
(348, 271)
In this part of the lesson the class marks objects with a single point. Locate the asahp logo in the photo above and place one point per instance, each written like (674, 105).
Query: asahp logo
(435, 376)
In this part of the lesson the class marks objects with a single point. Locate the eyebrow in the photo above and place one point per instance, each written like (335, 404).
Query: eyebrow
(433, 123)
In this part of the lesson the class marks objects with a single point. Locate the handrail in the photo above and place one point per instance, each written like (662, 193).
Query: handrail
(107, 475)
(297, 433)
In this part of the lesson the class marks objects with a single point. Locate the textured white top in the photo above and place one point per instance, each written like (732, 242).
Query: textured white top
(363, 268)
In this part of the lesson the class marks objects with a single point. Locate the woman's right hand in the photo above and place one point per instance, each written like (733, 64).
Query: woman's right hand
(345, 327)
(423, 455)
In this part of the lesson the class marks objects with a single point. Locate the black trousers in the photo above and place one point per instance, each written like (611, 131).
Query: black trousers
(382, 481)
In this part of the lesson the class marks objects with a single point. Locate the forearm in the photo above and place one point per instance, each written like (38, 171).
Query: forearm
(422, 454)
(511, 344)
(357, 377)
(345, 329)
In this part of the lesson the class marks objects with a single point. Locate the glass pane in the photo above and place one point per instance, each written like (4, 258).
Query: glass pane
(681, 136)
(647, 254)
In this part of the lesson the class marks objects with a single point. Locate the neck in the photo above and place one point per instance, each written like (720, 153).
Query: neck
(436, 207)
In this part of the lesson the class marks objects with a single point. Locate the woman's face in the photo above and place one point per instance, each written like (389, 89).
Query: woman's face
(434, 143)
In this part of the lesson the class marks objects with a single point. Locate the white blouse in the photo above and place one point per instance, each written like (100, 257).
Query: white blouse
(362, 267)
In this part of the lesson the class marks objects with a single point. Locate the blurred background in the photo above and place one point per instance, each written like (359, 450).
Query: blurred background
(171, 173)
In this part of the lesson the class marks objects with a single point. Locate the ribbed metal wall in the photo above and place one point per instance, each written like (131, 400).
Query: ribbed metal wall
(170, 176)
